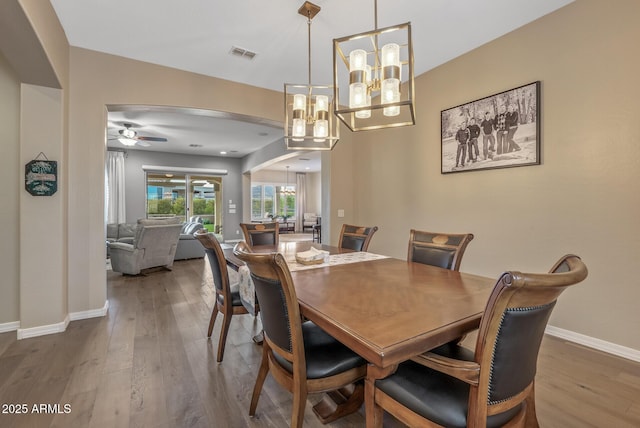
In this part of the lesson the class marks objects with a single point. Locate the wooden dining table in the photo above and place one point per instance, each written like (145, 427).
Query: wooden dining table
(387, 310)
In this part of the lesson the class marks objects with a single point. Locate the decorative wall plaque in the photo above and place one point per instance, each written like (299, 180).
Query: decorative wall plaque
(41, 177)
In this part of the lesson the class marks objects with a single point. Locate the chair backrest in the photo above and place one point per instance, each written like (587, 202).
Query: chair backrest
(260, 233)
(444, 250)
(511, 331)
(218, 264)
(356, 238)
(159, 239)
(279, 308)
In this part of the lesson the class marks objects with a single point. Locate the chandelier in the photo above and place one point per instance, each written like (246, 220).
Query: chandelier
(372, 70)
(288, 191)
(308, 123)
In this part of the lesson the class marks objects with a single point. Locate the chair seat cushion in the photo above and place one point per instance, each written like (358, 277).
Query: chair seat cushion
(325, 356)
(235, 298)
(436, 396)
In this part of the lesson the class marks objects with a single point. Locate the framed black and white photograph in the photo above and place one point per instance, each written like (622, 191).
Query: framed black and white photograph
(498, 131)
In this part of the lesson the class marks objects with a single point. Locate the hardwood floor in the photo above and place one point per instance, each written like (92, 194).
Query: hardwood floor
(148, 363)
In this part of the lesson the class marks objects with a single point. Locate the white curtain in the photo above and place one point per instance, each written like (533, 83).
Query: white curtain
(301, 199)
(114, 188)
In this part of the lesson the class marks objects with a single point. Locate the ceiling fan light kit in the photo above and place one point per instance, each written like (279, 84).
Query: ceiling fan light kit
(127, 141)
(308, 123)
(128, 137)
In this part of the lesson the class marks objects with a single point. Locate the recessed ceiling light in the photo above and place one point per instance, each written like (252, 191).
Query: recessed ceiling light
(307, 168)
(223, 153)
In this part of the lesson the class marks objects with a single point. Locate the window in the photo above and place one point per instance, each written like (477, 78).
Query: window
(271, 199)
(184, 195)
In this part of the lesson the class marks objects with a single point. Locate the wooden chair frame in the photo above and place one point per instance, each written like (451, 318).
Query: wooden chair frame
(512, 291)
(251, 229)
(272, 266)
(222, 290)
(440, 241)
(359, 232)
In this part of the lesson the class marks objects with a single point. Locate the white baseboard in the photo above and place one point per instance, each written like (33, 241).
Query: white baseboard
(25, 333)
(591, 342)
(93, 313)
(9, 326)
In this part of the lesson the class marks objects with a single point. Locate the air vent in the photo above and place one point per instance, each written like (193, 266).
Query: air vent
(244, 53)
(195, 146)
(304, 159)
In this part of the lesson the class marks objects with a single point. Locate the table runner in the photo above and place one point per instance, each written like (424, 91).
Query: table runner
(247, 290)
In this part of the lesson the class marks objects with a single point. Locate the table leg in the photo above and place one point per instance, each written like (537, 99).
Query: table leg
(339, 403)
(374, 414)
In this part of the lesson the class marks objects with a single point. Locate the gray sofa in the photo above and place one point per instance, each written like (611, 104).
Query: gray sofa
(122, 232)
(188, 246)
(154, 244)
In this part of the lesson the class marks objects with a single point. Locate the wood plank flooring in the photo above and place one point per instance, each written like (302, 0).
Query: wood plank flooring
(148, 363)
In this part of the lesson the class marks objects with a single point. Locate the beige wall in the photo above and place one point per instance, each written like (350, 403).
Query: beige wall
(11, 188)
(97, 80)
(43, 283)
(583, 199)
(35, 50)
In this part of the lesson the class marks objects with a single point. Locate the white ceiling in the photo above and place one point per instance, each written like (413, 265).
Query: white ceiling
(198, 35)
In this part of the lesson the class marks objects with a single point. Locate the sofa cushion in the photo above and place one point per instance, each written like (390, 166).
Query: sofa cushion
(191, 228)
(126, 230)
(153, 222)
(112, 232)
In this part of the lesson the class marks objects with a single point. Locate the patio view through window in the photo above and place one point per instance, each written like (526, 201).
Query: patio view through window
(272, 200)
(184, 195)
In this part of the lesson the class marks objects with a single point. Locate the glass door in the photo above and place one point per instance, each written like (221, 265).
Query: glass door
(185, 196)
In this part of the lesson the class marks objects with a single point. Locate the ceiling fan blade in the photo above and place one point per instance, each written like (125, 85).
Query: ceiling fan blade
(160, 139)
(142, 143)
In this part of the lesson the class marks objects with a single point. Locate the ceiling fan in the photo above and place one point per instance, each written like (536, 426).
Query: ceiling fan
(129, 137)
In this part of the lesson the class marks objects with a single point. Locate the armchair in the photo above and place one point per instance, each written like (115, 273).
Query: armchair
(301, 356)
(356, 238)
(444, 250)
(493, 386)
(227, 301)
(154, 245)
(309, 220)
(260, 233)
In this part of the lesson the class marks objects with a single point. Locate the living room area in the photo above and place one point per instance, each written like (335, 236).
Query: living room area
(204, 192)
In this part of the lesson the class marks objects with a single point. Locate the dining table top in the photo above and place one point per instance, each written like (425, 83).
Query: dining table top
(385, 309)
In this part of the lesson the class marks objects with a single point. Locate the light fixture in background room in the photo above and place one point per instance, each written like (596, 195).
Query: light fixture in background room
(309, 124)
(287, 191)
(128, 136)
(371, 66)
(127, 141)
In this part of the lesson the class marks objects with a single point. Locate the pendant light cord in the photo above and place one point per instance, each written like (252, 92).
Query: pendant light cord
(309, 42)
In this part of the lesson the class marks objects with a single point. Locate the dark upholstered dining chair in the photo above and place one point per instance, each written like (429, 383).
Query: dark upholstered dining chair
(494, 386)
(260, 233)
(300, 355)
(444, 250)
(227, 302)
(356, 238)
